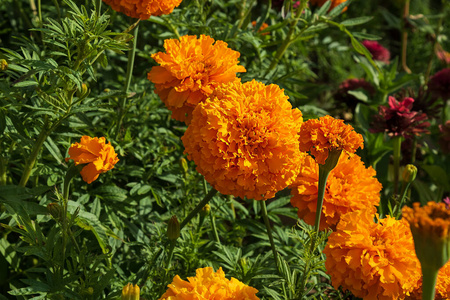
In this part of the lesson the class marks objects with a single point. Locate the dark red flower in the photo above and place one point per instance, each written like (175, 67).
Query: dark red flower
(399, 120)
(444, 139)
(439, 84)
(343, 96)
(378, 52)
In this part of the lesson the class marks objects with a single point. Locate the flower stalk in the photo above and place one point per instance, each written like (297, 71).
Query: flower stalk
(269, 232)
(429, 282)
(130, 66)
(405, 36)
(397, 141)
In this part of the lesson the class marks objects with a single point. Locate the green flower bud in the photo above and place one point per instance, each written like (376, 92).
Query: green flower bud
(409, 173)
(55, 210)
(173, 229)
(184, 165)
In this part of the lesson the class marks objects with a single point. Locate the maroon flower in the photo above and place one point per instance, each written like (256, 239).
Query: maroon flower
(378, 52)
(444, 139)
(439, 84)
(343, 96)
(399, 120)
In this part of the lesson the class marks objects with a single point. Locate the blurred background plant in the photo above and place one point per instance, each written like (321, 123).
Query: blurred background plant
(63, 69)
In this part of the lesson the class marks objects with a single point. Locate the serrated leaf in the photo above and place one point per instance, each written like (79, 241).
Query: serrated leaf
(27, 83)
(356, 21)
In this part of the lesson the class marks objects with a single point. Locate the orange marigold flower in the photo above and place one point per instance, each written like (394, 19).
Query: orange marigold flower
(334, 3)
(350, 187)
(208, 284)
(99, 157)
(244, 140)
(263, 26)
(190, 70)
(143, 9)
(375, 261)
(442, 285)
(320, 136)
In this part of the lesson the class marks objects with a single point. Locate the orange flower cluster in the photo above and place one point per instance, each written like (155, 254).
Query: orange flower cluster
(431, 220)
(350, 187)
(143, 9)
(375, 261)
(208, 285)
(244, 140)
(190, 70)
(442, 285)
(334, 3)
(320, 136)
(263, 26)
(99, 157)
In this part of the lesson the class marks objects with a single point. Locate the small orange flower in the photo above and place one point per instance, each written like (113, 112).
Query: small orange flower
(209, 285)
(320, 136)
(190, 70)
(143, 9)
(263, 26)
(374, 261)
(244, 140)
(99, 157)
(334, 3)
(350, 187)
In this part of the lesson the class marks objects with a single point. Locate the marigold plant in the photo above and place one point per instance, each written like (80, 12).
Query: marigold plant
(244, 140)
(143, 9)
(350, 186)
(375, 261)
(320, 136)
(442, 285)
(208, 284)
(98, 156)
(189, 70)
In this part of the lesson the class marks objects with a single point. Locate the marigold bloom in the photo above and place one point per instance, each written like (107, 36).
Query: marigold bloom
(350, 187)
(320, 136)
(143, 9)
(190, 70)
(99, 157)
(244, 140)
(439, 84)
(378, 52)
(334, 3)
(399, 119)
(209, 285)
(263, 26)
(375, 261)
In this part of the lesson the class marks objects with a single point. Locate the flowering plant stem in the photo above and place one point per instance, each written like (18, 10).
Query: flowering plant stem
(323, 176)
(269, 232)
(405, 36)
(397, 149)
(130, 65)
(288, 40)
(429, 282)
(398, 208)
(198, 208)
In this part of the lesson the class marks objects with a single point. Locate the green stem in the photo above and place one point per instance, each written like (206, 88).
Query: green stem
(212, 219)
(3, 164)
(288, 40)
(429, 282)
(405, 36)
(130, 65)
(435, 43)
(98, 8)
(397, 141)
(269, 232)
(398, 207)
(198, 208)
(242, 14)
(172, 247)
(323, 176)
(33, 155)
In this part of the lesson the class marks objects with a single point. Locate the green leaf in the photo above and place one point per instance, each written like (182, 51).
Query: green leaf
(28, 83)
(356, 21)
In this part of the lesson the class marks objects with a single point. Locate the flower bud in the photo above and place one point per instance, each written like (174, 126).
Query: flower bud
(184, 165)
(205, 210)
(3, 65)
(55, 210)
(130, 292)
(409, 173)
(173, 229)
